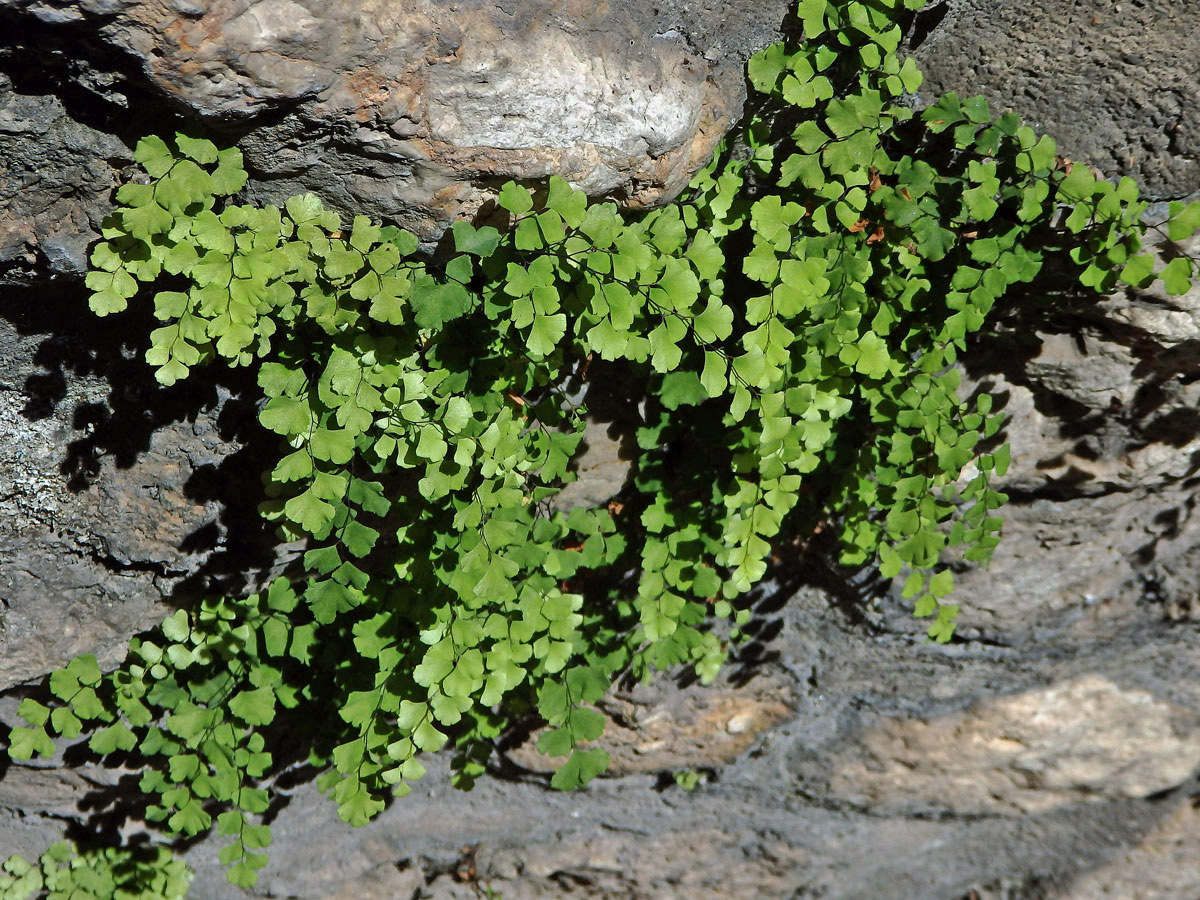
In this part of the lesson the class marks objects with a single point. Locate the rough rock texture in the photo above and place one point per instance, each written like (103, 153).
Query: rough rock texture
(1077, 741)
(112, 491)
(770, 824)
(1115, 83)
(1163, 864)
(1106, 436)
(413, 112)
(695, 729)
(1049, 754)
(405, 111)
(55, 181)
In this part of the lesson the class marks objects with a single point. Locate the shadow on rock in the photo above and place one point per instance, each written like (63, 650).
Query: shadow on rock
(119, 427)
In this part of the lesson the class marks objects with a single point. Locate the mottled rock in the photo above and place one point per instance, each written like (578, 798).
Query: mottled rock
(48, 791)
(417, 112)
(1085, 740)
(1114, 83)
(385, 882)
(768, 825)
(55, 182)
(667, 729)
(105, 500)
(763, 826)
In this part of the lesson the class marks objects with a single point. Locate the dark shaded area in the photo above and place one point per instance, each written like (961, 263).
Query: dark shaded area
(923, 23)
(118, 430)
(50, 59)
(242, 549)
(5, 741)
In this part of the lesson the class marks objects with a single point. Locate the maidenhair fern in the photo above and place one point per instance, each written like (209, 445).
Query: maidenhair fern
(65, 873)
(786, 335)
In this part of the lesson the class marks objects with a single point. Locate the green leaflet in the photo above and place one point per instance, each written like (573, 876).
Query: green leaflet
(784, 338)
(96, 874)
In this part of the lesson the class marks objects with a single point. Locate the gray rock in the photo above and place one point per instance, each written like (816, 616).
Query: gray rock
(413, 113)
(1164, 865)
(1114, 83)
(1105, 441)
(1121, 716)
(109, 494)
(600, 468)
(55, 183)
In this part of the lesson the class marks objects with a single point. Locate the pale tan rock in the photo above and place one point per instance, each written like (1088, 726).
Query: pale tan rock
(600, 468)
(437, 104)
(385, 882)
(1086, 739)
(681, 729)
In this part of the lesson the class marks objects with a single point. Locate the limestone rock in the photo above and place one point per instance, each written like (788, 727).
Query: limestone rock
(437, 103)
(665, 729)
(1081, 740)
(1112, 82)
(411, 112)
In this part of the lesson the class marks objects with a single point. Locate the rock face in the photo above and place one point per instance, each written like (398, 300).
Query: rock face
(1079, 741)
(1105, 430)
(55, 181)
(1049, 754)
(413, 112)
(1162, 865)
(1114, 83)
(104, 546)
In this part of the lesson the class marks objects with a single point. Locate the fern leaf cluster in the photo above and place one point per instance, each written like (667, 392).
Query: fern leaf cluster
(786, 336)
